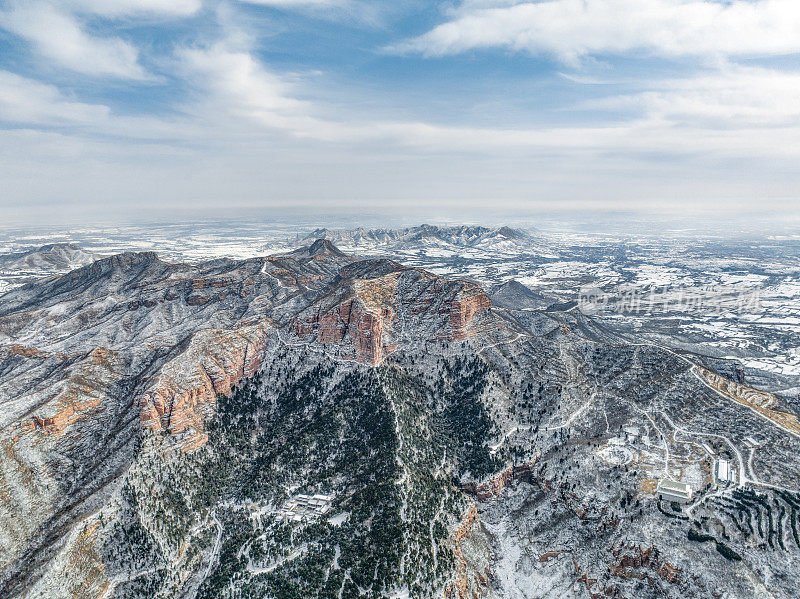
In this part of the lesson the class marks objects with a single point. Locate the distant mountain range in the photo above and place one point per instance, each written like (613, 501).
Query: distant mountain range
(422, 234)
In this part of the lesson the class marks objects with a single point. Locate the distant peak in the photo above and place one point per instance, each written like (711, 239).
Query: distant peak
(514, 284)
(511, 233)
(58, 246)
(324, 246)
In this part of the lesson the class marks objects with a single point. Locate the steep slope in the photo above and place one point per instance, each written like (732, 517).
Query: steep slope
(91, 358)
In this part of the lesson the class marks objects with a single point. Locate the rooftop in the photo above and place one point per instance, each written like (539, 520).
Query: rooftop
(674, 487)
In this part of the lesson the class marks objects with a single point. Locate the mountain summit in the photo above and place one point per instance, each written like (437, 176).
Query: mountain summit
(324, 247)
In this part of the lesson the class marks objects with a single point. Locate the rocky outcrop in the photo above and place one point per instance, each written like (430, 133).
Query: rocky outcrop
(634, 561)
(84, 391)
(27, 352)
(382, 304)
(494, 486)
(187, 386)
(463, 310)
(363, 319)
(458, 588)
(64, 415)
(364, 327)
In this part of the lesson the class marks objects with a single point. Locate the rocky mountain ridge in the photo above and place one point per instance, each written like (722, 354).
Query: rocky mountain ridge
(157, 416)
(131, 333)
(49, 258)
(463, 235)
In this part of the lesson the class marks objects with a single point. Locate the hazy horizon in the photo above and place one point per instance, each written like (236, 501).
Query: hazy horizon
(112, 111)
(608, 223)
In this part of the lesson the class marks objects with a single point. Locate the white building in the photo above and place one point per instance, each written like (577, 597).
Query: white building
(723, 472)
(670, 490)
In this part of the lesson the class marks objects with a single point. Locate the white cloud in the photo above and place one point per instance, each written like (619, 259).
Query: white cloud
(296, 3)
(736, 112)
(248, 132)
(233, 81)
(55, 30)
(27, 101)
(59, 37)
(250, 140)
(734, 97)
(120, 8)
(571, 29)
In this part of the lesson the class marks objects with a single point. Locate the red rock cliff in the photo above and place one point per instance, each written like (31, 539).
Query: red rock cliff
(363, 318)
(463, 310)
(213, 364)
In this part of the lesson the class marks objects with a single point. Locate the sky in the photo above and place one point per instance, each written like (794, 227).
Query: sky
(126, 108)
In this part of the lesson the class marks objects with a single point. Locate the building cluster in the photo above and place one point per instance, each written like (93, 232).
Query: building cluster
(304, 508)
(670, 490)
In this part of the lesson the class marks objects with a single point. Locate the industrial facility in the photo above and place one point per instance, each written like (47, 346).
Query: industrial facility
(304, 508)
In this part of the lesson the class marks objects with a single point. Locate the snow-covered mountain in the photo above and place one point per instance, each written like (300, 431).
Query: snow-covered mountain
(22, 267)
(316, 424)
(47, 259)
(423, 236)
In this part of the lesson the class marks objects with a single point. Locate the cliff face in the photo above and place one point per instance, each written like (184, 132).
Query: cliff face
(80, 393)
(214, 362)
(471, 300)
(380, 305)
(359, 317)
